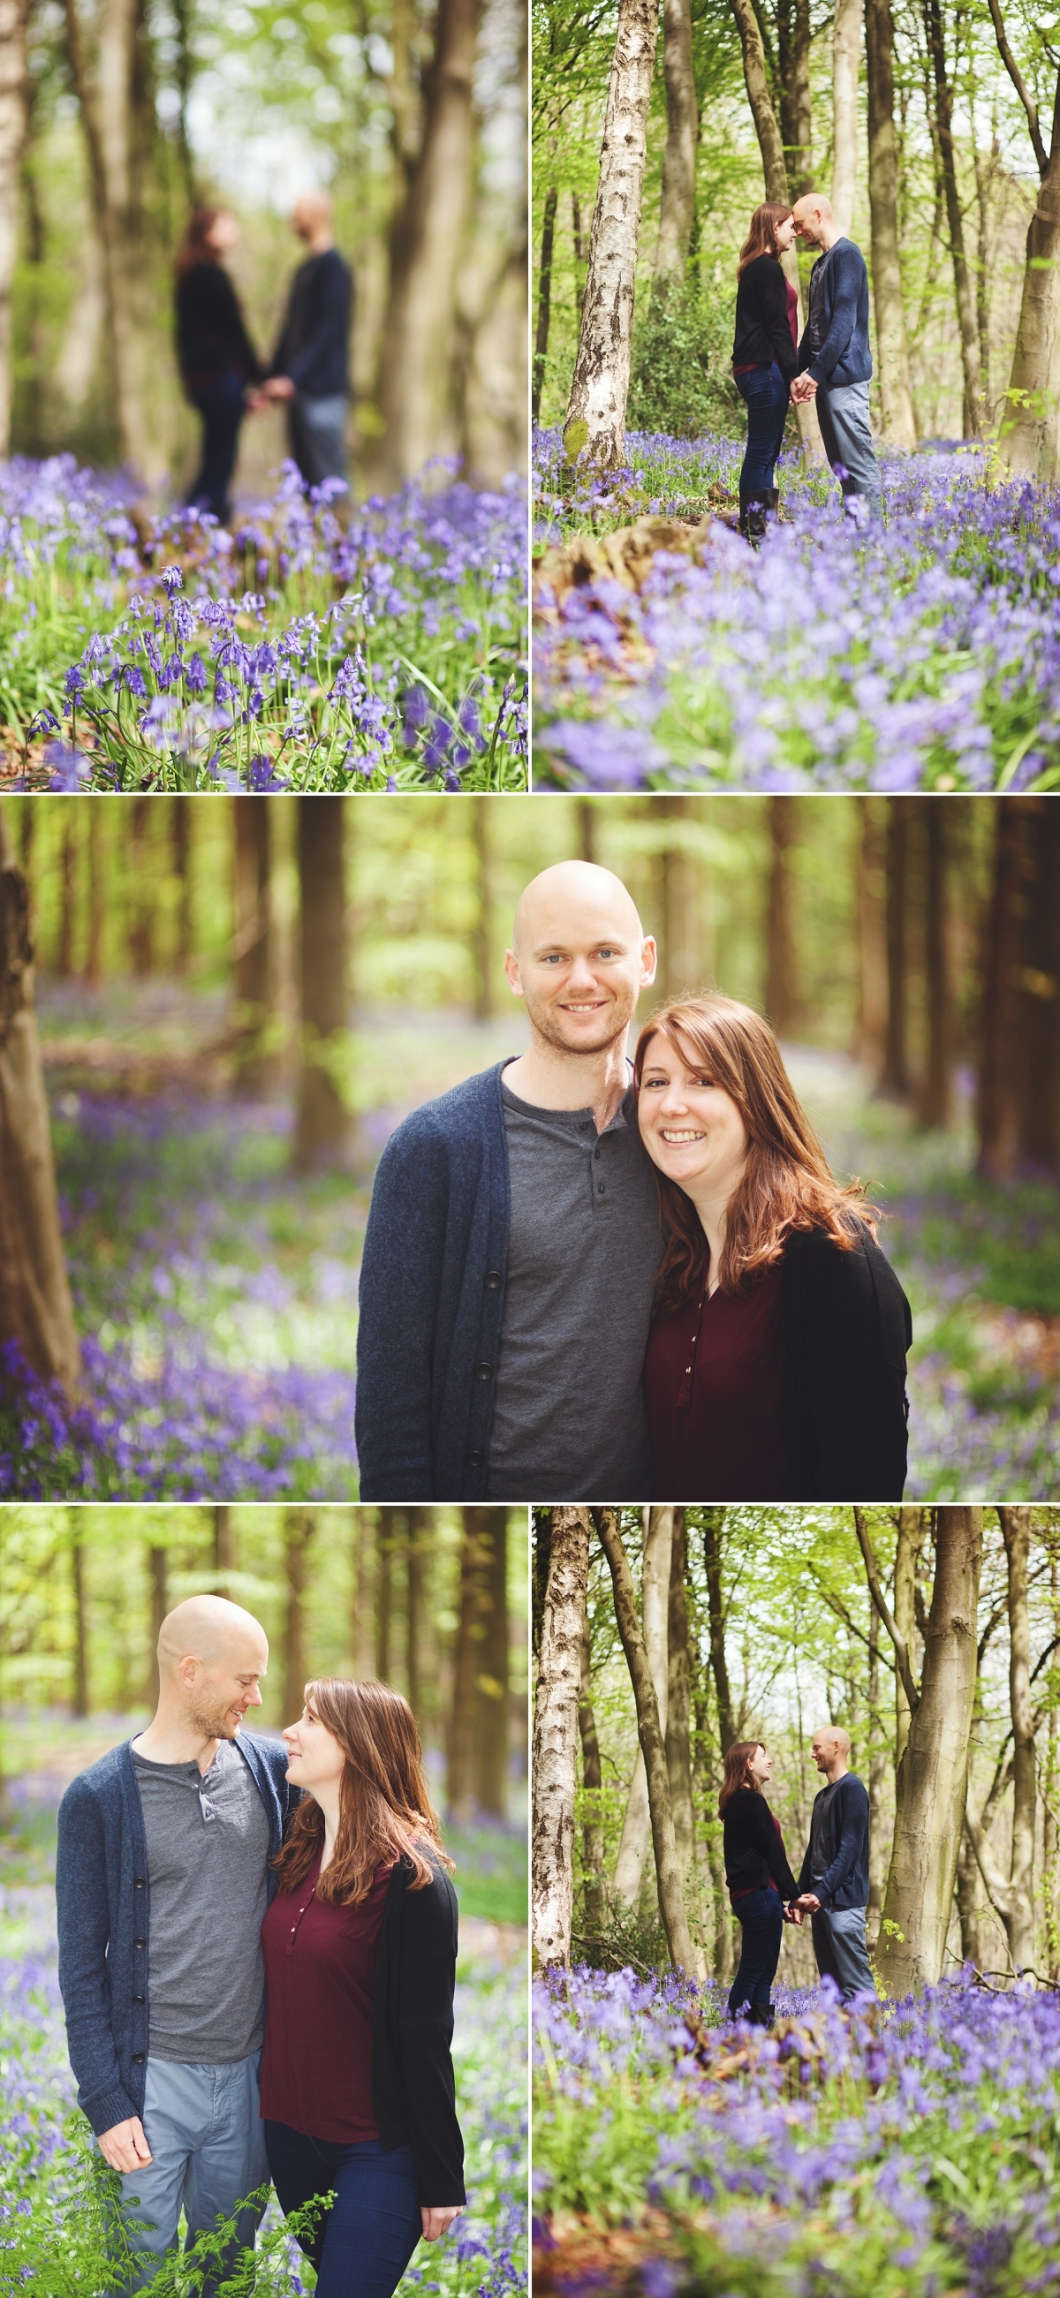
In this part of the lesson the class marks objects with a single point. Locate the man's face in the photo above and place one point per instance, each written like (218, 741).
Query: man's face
(823, 1749)
(220, 1693)
(581, 969)
(807, 221)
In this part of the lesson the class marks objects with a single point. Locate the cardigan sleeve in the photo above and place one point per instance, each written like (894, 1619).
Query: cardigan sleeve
(772, 287)
(847, 266)
(424, 2039)
(854, 1816)
(847, 1339)
(84, 1938)
(773, 1852)
(400, 1283)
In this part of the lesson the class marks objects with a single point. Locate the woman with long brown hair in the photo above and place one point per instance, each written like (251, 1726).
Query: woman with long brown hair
(218, 363)
(775, 1367)
(357, 2091)
(764, 357)
(760, 1883)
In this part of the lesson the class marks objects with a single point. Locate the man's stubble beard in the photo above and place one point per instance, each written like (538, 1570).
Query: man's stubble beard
(613, 1032)
(213, 1723)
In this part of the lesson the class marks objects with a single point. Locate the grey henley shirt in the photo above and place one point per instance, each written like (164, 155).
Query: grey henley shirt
(569, 1419)
(207, 1854)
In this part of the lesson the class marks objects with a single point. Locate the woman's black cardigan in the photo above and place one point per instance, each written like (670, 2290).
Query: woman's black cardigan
(413, 2090)
(845, 1330)
(753, 1848)
(763, 332)
(211, 336)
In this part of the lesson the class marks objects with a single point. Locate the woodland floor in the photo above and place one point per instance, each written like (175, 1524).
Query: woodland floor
(195, 1253)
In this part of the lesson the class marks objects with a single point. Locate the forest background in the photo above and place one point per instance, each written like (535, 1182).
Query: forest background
(928, 124)
(115, 118)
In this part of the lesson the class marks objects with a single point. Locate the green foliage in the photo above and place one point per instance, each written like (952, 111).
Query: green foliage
(681, 382)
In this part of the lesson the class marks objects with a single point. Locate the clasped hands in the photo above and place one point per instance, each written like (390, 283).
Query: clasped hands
(809, 1904)
(275, 387)
(803, 389)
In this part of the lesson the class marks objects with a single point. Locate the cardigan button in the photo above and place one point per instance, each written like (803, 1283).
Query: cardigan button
(483, 1372)
(138, 2058)
(139, 1942)
(138, 1998)
(493, 1280)
(139, 1884)
(476, 1459)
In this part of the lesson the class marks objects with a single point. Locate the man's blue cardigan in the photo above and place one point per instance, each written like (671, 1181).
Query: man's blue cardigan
(432, 1299)
(844, 355)
(102, 1894)
(845, 1882)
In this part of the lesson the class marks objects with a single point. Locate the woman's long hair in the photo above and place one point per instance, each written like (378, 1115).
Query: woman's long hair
(762, 236)
(384, 1808)
(195, 246)
(736, 1775)
(785, 1183)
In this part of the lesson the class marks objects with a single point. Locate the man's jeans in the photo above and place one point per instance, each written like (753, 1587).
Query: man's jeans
(318, 437)
(203, 2126)
(764, 391)
(839, 1945)
(843, 415)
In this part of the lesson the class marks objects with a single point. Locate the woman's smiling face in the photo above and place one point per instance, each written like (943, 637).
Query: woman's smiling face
(691, 1128)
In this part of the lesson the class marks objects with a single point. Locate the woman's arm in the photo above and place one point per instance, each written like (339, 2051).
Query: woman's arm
(427, 1976)
(774, 300)
(847, 1331)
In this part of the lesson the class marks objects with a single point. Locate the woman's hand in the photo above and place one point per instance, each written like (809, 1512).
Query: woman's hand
(435, 2222)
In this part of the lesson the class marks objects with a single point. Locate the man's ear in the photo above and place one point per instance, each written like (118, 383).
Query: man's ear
(649, 962)
(511, 968)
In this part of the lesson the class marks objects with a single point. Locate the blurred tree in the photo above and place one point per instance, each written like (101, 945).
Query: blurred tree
(492, 1669)
(254, 969)
(35, 1305)
(871, 1017)
(595, 1883)
(96, 902)
(142, 890)
(224, 1548)
(181, 817)
(678, 198)
(158, 1568)
(895, 1074)
(676, 890)
(324, 1130)
(80, 1696)
(473, 1609)
(936, 1096)
(481, 940)
(544, 302)
(299, 1527)
(64, 953)
(782, 986)
(14, 16)
(388, 1533)
(112, 97)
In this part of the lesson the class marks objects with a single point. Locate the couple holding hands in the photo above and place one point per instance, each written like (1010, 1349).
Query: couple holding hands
(833, 1884)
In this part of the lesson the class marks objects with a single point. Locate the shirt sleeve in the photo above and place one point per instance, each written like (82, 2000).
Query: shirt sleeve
(84, 1938)
(400, 1282)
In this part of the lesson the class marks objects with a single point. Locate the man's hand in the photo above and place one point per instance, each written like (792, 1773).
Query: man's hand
(435, 2222)
(803, 388)
(793, 1914)
(809, 1902)
(279, 387)
(254, 399)
(125, 2147)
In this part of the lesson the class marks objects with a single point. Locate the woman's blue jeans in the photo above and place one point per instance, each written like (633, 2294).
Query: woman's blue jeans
(765, 393)
(221, 405)
(364, 2242)
(761, 1919)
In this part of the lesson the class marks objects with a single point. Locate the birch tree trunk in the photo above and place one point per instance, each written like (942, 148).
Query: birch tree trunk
(846, 62)
(592, 1788)
(650, 1733)
(554, 1760)
(596, 410)
(426, 245)
(13, 116)
(1028, 440)
(679, 1724)
(1012, 1896)
(106, 101)
(966, 318)
(934, 1767)
(35, 1305)
(679, 157)
(655, 1598)
(896, 405)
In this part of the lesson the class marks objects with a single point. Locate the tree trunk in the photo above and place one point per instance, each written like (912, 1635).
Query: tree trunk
(782, 993)
(996, 1105)
(934, 1766)
(679, 157)
(224, 1549)
(64, 952)
(793, 72)
(1016, 1531)
(912, 1532)
(871, 1028)
(299, 1526)
(554, 1762)
(107, 104)
(384, 1589)
(417, 1550)
(481, 938)
(14, 15)
(253, 947)
(596, 411)
(592, 1797)
(846, 64)
(426, 248)
(324, 1129)
(966, 320)
(877, 1777)
(1038, 1037)
(80, 1702)
(655, 1600)
(180, 819)
(895, 1078)
(679, 958)
(491, 1668)
(478, 1597)
(362, 1592)
(968, 1903)
(713, 1529)
(679, 1722)
(96, 899)
(142, 896)
(586, 829)
(936, 1100)
(896, 405)
(544, 301)
(35, 1305)
(158, 1566)
(1028, 440)
(650, 1734)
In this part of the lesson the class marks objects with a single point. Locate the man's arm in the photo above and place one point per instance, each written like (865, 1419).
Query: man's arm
(400, 1280)
(846, 281)
(84, 1936)
(855, 1811)
(331, 322)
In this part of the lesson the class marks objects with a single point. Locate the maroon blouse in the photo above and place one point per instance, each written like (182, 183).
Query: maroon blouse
(713, 1378)
(316, 2071)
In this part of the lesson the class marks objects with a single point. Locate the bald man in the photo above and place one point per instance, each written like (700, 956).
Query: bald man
(162, 1881)
(310, 369)
(834, 360)
(834, 1883)
(513, 1240)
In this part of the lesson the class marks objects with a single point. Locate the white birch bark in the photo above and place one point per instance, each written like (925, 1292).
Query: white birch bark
(555, 1749)
(846, 61)
(596, 410)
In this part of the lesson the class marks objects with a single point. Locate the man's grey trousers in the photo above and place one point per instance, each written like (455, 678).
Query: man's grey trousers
(207, 2140)
(843, 415)
(839, 1945)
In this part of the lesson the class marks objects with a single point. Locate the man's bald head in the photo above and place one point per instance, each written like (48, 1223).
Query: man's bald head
(211, 1656)
(813, 203)
(205, 1628)
(833, 1735)
(313, 219)
(568, 893)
